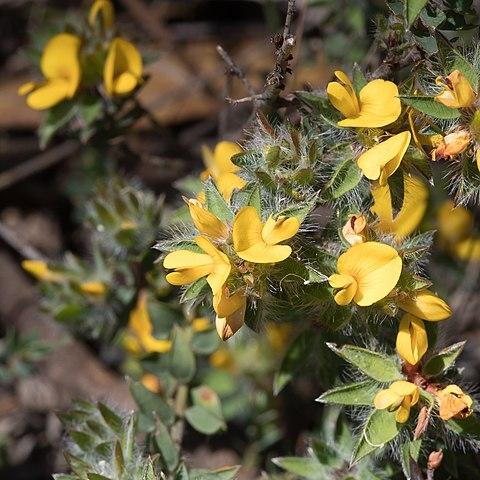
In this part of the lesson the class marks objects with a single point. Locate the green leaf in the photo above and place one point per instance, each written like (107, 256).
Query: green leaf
(149, 402)
(85, 441)
(206, 342)
(182, 363)
(443, 359)
(301, 210)
(205, 397)
(410, 450)
(56, 118)
(309, 468)
(216, 203)
(254, 200)
(359, 80)
(89, 108)
(466, 427)
(413, 9)
(166, 447)
(127, 440)
(380, 428)
(225, 473)
(345, 178)
(195, 290)
(429, 106)
(182, 473)
(375, 365)
(294, 359)
(361, 393)
(203, 420)
(320, 107)
(119, 460)
(96, 476)
(111, 418)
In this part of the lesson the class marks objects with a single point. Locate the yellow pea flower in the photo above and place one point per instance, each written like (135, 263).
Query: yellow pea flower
(141, 326)
(230, 310)
(451, 145)
(222, 360)
(60, 65)
(200, 324)
(123, 68)
(205, 221)
(257, 242)
(469, 249)
(40, 270)
(426, 305)
(377, 104)
(457, 91)
(412, 342)
(454, 403)
(367, 273)
(190, 266)
(454, 223)
(382, 161)
(400, 397)
(354, 230)
(152, 382)
(93, 288)
(104, 10)
(221, 168)
(415, 199)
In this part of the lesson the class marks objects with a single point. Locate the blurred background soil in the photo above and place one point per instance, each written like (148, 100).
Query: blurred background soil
(186, 97)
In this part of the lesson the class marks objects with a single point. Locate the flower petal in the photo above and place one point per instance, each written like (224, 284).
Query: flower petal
(343, 98)
(225, 304)
(375, 266)
(403, 388)
(104, 8)
(385, 398)
(379, 106)
(221, 269)
(190, 266)
(283, 228)
(426, 305)
(227, 183)
(403, 411)
(412, 342)
(247, 229)
(205, 221)
(222, 155)
(228, 326)
(385, 156)
(48, 94)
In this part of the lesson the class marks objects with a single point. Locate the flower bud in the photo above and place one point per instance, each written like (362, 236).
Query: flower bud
(354, 230)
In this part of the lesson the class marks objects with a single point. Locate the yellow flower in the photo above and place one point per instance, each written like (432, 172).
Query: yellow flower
(381, 161)
(141, 326)
(40, 270)
(454, 223)
(354, 230)
(221, 168)
(205, 221)
(61, 67)
(451, 145)
(454, 403)
(376, 106)
(190, 266)
(123, 68)
(222, 360)
(366, 273)
(415, 199)
(201, 324)
(93, 288)
(412, 342)
(230, 310)
(457, 91)
(426, 305)
(469, 249)
(104, 9)
(152, 382)
(400, 397)
(257, 242)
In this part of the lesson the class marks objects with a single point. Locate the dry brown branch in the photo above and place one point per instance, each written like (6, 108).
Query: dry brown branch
(38, 163)
(276, 79)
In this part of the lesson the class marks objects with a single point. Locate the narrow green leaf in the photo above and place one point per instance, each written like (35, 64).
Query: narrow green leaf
(195, 290)
(429, 106)
(181, 358)
(182, 473)
(203, 420)
(216, 203)
(413, 9)
(359, 80)
(345, 178)
(225, 473)
(119, 460)
(380, 428)
(96, 476)
(361, 393)
(149, 402)
(301, 210)
(111, 418)
(295, 357)
(309, 468)
(166, 447)
(85, 441)
(410, 450)
(254, 200)
(55, 119)
(443, 359)
(128, 437)
(375, 365)
(467, 427)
